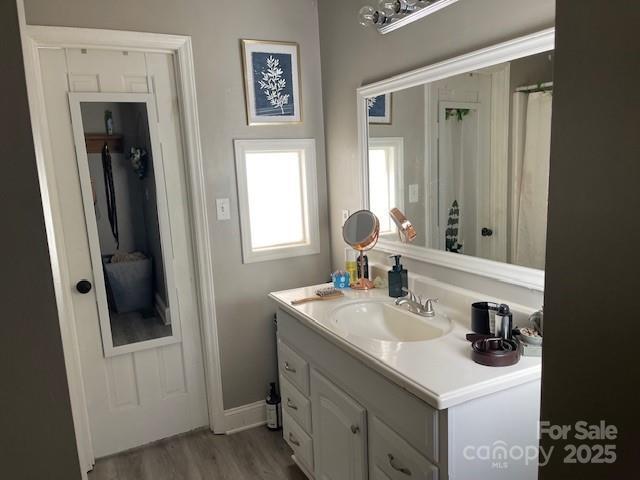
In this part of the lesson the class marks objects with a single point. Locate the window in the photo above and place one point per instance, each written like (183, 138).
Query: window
(385, 179)
(278, 198)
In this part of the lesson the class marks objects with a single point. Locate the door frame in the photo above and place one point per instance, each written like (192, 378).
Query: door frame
(36, 37)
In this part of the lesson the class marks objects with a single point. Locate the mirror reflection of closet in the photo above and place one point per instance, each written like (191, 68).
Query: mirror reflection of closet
(121, 167)
(467, 159)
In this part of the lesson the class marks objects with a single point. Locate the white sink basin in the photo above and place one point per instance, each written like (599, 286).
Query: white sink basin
(387, 322)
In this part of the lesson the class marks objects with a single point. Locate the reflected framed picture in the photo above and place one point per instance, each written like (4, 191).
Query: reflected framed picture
(379, 109)
(272, 82)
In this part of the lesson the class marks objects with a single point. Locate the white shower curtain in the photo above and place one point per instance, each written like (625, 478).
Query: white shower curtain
(530, 211)
(458, 170)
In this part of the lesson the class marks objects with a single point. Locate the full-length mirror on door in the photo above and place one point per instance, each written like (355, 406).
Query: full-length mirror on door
(466, 157)
(123, 182)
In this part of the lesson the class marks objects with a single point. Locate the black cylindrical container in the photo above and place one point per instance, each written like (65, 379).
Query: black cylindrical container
(481, 317)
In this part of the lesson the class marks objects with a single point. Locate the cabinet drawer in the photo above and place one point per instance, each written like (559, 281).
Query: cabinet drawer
(394, 457)
(298, 440)
(293, 367)
(295, 404)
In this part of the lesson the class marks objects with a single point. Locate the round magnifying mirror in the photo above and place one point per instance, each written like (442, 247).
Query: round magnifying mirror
(361, 232)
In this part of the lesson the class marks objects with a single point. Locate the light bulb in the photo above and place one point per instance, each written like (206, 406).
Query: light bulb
(389, 7)
(367, 16)
(370, 16)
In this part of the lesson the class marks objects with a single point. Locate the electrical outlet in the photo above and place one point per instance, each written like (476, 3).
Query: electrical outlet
(345, 215)
(223, 208)
(413, 193)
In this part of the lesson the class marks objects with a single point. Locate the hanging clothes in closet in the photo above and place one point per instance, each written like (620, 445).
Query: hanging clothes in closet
(110, 193)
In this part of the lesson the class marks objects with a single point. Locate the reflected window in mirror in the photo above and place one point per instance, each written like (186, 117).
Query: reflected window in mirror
(386, 179)
(474, 172)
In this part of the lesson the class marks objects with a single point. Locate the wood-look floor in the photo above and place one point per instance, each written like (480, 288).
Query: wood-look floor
(256, 454)
(133, 327)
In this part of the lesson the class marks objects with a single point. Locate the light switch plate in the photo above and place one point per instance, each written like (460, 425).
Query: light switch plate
(413, 193)
(345, 215)
(223, 209)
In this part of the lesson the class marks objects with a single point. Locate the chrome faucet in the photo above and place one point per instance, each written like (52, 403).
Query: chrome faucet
(416, 305)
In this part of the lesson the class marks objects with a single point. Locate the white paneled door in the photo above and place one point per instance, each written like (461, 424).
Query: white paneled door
(134, 395)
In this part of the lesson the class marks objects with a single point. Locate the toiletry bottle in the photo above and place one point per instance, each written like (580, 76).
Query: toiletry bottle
(503, 322)
(274, 412)
(351, 265)
(365, 261)
(398, 278)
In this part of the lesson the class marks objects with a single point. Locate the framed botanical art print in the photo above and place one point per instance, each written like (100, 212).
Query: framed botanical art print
(379, 109)
(272, 82)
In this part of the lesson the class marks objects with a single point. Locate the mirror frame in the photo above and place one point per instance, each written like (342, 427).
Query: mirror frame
(164, 222)
(538, 42)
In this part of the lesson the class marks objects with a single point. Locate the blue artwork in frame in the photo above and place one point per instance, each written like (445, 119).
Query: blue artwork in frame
(272, 82)
(379, 109)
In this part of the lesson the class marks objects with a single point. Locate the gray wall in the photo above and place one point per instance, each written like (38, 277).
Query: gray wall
(244, 313)
(592, 284)
(36, 429)
(407, 122)
(131, 229)
(531, 70)
(353, 56)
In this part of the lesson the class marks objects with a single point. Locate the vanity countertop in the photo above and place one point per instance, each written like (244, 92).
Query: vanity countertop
(438, 371)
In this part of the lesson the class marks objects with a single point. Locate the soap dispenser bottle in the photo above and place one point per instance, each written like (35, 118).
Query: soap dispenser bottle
(398, 279)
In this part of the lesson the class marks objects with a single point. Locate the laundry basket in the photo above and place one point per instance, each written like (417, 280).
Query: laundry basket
(130, 284)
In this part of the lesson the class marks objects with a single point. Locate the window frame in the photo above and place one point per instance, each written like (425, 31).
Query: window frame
(396, 146)
(309, 192)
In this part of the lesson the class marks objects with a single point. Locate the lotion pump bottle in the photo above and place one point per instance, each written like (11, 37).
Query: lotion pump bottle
(398, 279)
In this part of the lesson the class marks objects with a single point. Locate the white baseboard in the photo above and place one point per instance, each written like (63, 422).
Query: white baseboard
(245, 417)
(163, 311)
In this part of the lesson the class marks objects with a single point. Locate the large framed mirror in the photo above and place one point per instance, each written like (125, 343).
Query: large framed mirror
(462, 147)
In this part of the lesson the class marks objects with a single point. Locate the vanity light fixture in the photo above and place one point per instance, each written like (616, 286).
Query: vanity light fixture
(392, 14)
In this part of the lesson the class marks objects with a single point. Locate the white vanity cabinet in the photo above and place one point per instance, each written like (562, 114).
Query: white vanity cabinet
(340, 426)
(346, 420)
(390, 456)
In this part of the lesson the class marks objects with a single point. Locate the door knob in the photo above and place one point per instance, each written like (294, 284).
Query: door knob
(486, 232)
(83, 286)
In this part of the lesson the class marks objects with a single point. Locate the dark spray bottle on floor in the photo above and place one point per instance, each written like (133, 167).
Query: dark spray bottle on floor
(274, 409)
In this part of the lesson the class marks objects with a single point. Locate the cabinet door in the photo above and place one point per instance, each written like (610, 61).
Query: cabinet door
(340, 436)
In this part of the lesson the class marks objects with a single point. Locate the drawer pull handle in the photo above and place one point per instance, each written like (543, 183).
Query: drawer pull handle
(293, 440)
(291, 405)
(355, 429)
(289, 368)
(394, 465)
